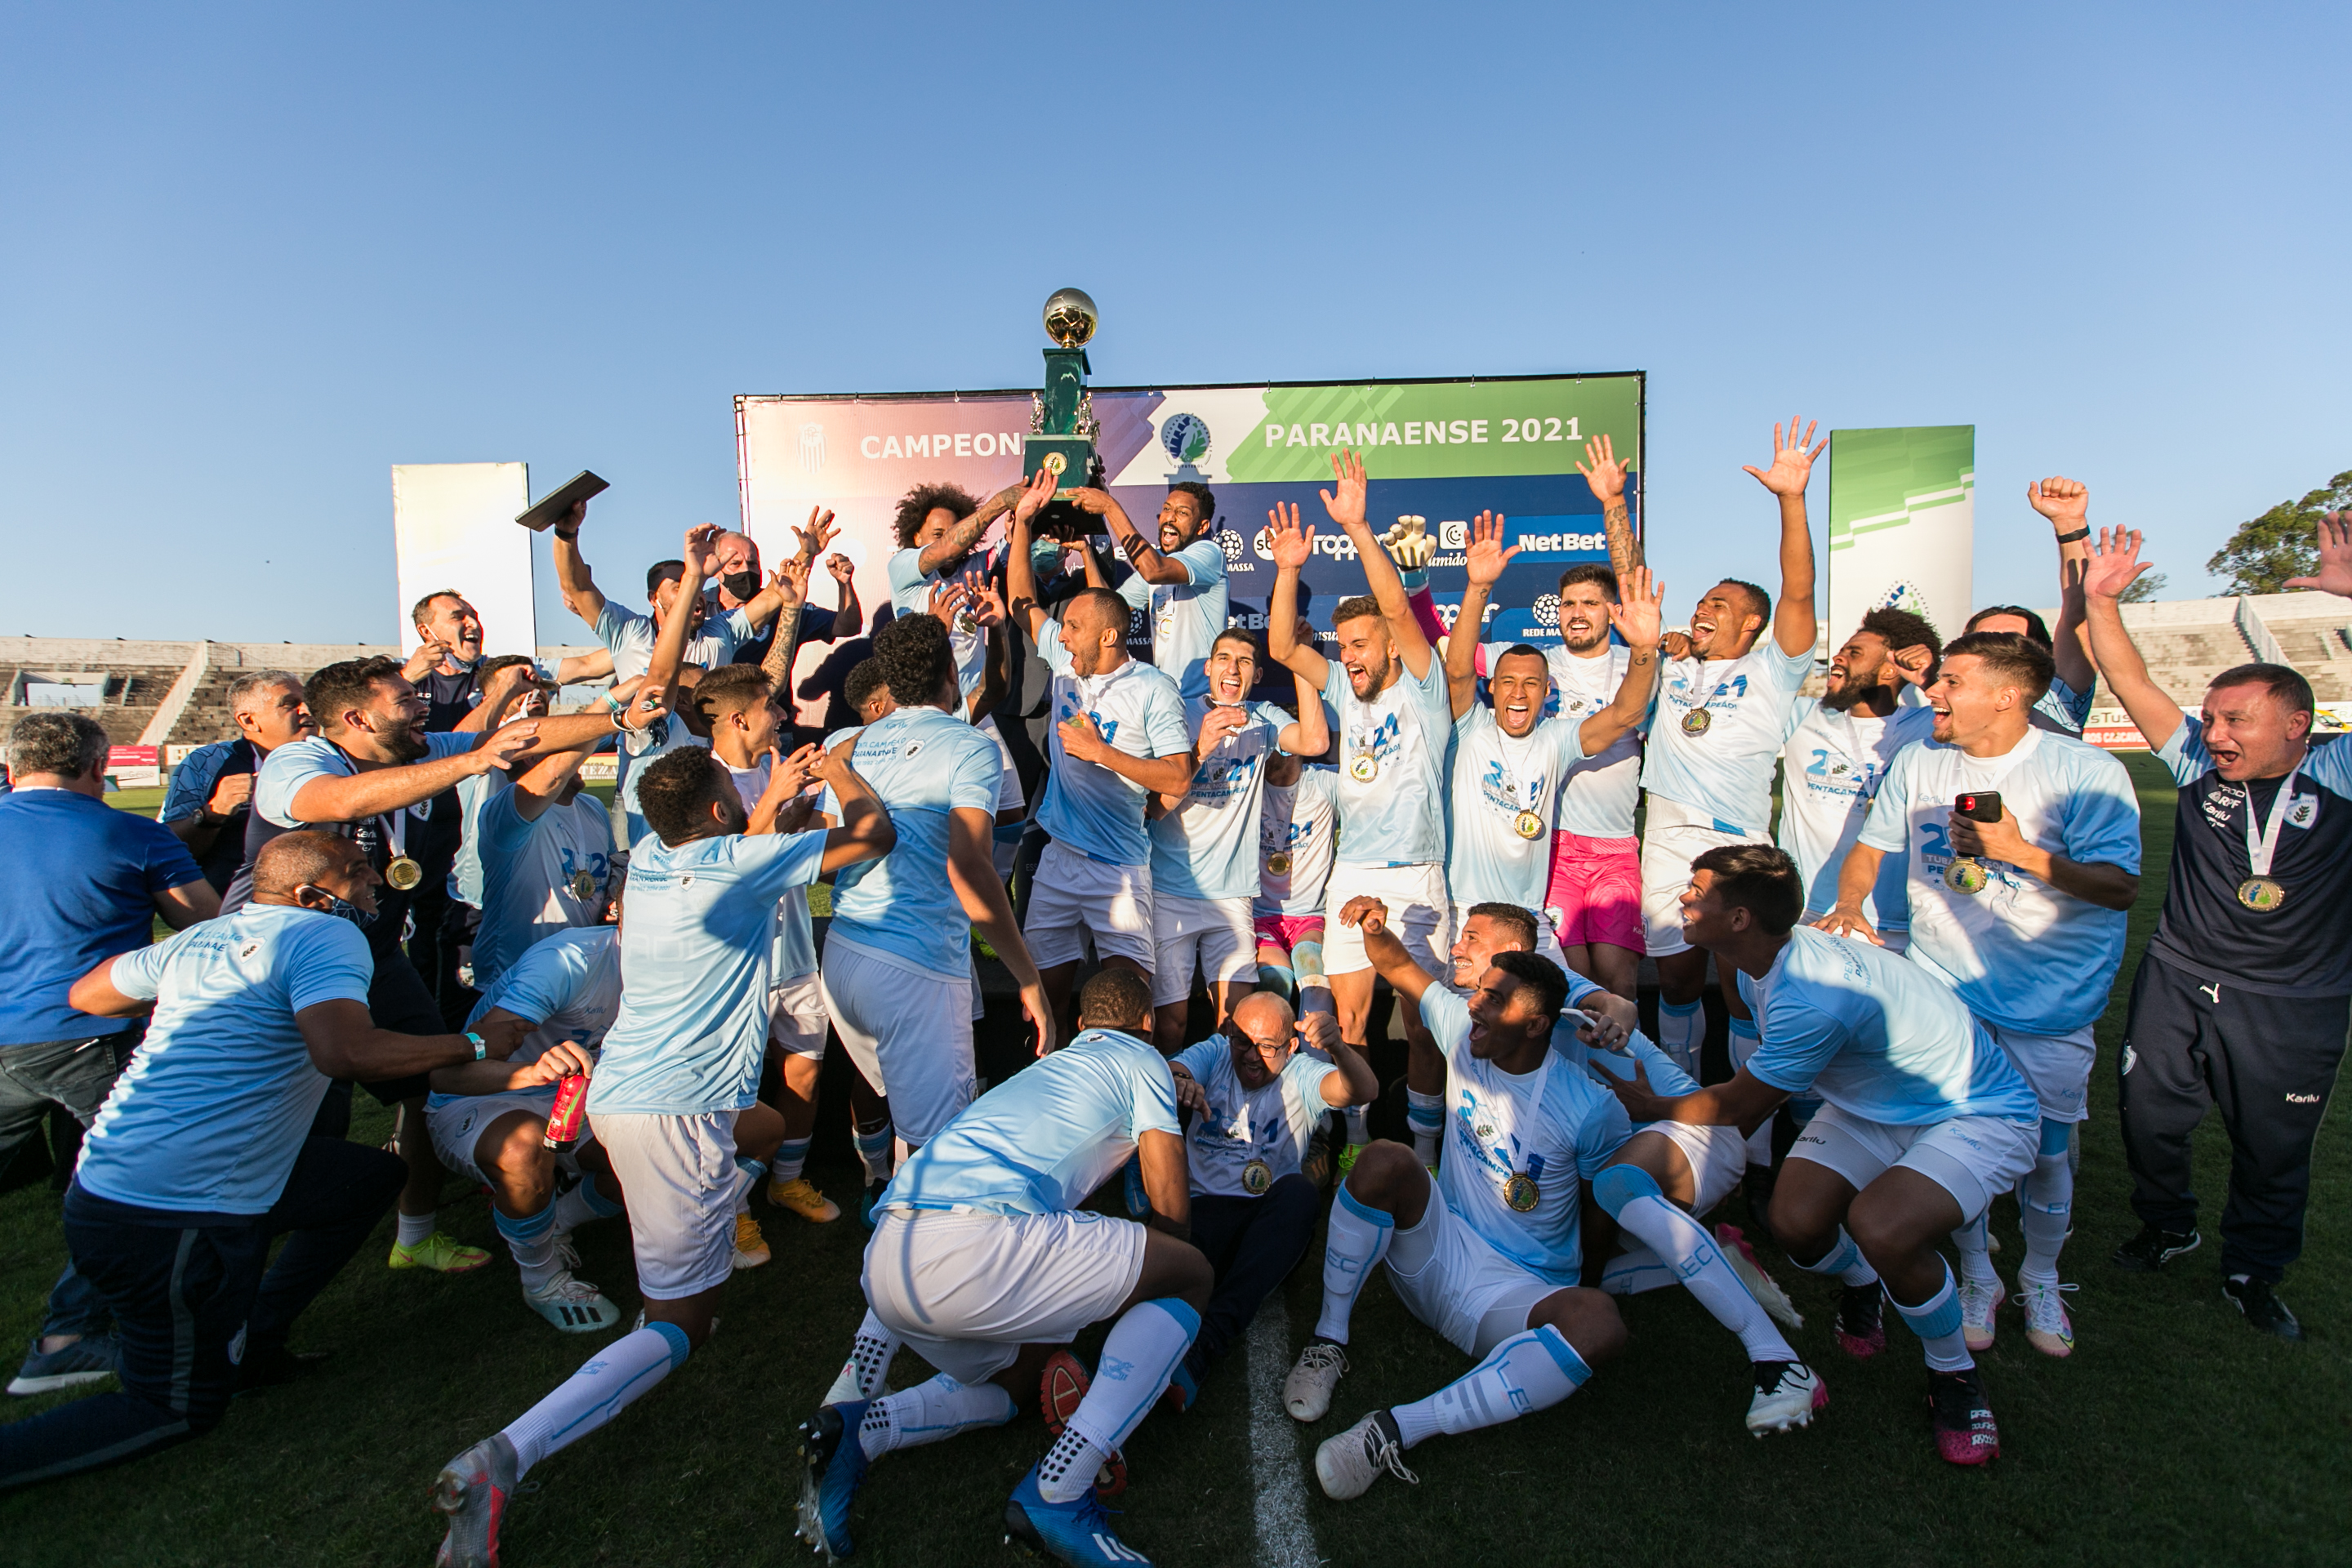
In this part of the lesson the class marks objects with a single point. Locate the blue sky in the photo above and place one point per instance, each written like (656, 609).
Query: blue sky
(255, 256)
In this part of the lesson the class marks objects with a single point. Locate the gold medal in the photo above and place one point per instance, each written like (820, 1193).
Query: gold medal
(2261, 894)
(583, 885)
(1256, 1177)
(1279, 863)
(1965, 875)
(404, 873)
(1054, 463)
(1521, 1193)
(1696, 720)
(1365, 768)
(1527, 824)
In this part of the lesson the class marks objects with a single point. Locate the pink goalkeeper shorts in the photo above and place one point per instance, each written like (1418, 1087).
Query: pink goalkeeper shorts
(1596, 891)
(1287, 932)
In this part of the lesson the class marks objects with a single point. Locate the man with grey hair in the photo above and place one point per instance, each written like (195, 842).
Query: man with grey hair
(92, 881)
(210, 797)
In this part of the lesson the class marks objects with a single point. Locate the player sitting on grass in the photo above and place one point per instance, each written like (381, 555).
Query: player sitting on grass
(1487, 1253)
(983, 1264)
(1923, 1117)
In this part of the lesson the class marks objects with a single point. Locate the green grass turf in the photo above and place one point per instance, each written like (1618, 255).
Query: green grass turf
(2174, 1434)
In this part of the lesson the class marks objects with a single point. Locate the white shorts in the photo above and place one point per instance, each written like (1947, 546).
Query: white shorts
(1673, 836)
(1970, 1157)
(908, 1029)
(1218, 929)
(1717, 1157)
(966, 1291)
(1547, 940)
(797, 1017)
(456, 1129)
(2057, 1065)
(681, 1177)
(1075, 900)
(1419, 912)
(1453, 1279)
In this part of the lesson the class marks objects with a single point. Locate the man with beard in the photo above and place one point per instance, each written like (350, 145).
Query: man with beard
(1180, 585)
(211, 794)
(938, 526)
(1119, 738)
(1728, 703)
(370, 763)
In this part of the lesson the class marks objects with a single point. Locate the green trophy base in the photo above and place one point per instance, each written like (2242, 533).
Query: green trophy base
(1071, 459)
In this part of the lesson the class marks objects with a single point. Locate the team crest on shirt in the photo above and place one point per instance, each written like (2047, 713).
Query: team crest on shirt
(2304, 810)
(248, 950)
(912, 747)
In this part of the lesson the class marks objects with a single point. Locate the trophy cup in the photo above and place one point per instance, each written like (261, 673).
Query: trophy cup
(1062, 426)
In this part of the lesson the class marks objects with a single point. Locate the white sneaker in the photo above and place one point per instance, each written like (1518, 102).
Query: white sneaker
(1786, 1394)
(1307, 1392)
(1349, 1464)
(2047, 1327)
(573, 1306)
(1978, 1298)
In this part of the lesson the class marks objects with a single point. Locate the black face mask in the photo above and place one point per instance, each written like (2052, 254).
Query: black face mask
(741, 585)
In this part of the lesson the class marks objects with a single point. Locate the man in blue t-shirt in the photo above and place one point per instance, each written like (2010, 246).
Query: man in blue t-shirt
(1923, 1117)
(675, 1095)
(1179, 584)
(90, 882)
(203, 1155)
(210, 797)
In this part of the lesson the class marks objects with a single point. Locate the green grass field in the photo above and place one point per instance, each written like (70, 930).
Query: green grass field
(2174, 1434)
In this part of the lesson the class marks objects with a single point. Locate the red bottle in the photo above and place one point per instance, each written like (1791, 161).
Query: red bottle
(570, 1113)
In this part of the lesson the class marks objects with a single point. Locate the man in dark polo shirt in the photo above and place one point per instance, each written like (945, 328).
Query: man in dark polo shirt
(211, 794)
(736, 560)
(86, 884)
(2246, 993)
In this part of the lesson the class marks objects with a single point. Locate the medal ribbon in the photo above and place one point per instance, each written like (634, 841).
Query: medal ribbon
(2260, 851)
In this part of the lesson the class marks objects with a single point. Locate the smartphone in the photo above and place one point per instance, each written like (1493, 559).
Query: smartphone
(1979, 805)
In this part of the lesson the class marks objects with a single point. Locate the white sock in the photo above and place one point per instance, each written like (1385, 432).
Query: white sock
(1844, 1260)
(1681, 1028)
(791, 1156)
(1936, 1321)
(929, 1412)
(1353, 1246)
(1533, 1370)
(583, 1203)
(1976, 1257)
(874, 1149)
(1635, 1270)
(416, 1227)
(2045, 1209)
(869, 1363)
(1424, 1113)
(596, 1393)
(1144, 1348)
(1360, 1128)
(531, 1239)
(1630, 1194)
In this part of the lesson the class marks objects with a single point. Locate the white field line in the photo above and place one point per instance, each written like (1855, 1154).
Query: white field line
(1283, 1537)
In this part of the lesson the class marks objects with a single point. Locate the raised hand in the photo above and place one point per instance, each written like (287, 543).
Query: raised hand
(1346, 507)
(1088, 500)
(792, 580)
(1291, 544)
(1219, 723)
(1033, 496)
(1641, 608)
(1674, 645)
(2335, 556)
(1602, 471)
(948, 599)
(701, 548)
(1409, 545)
(505, 744)
(1487, 557)
(1792, 463)
(988, 608)
(819, 533)
(2065, 502)
(1911, 665)
(842, 567)
(2114, 563)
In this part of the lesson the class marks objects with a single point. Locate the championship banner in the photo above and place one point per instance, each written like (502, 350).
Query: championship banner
(1442, 450)
(1902, 525)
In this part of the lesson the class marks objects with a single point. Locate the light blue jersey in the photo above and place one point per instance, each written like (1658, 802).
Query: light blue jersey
(1137, 709)
(1506, 794)
(910, 595)
(1185, 618)
(1829, 773)
(540, 875)
(465, 870)
(630, 638)
(1207, 847)
(1396, 816)
(1297, 835)
(1045, 1138)
(1638, 1052)
(1877, 1036)
(792, 955)
(695, 955)
(1554, 1127)
(2064, 710)
(568, 987)
(214, 1107)
(286, 769)
(2021, 954)
(1599, 799)
(639, 748)
(1268, 1125)
(923, 765)
(1723, 770)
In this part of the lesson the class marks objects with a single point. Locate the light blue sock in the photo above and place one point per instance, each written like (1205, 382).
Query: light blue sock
(791, 1155)
(1425, 1115)
(1843, 1262)
(1682, 1027)
(1936, 1321)
(1533, 1370)
(531, 1239)
(1631, 1195)
(874, 1150)
(1129, 1377)
(599, 1391)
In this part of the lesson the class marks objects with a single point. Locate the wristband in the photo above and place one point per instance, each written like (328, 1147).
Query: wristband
(481, 1047)
(611, 703)
(2083, 532)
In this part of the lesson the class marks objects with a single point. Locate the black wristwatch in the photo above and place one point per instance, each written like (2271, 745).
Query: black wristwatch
(2083, 532)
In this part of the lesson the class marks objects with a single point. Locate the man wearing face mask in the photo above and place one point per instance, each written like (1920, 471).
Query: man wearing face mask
(203, 1156)
(211, 794)
(362, 775)
(737, 562)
